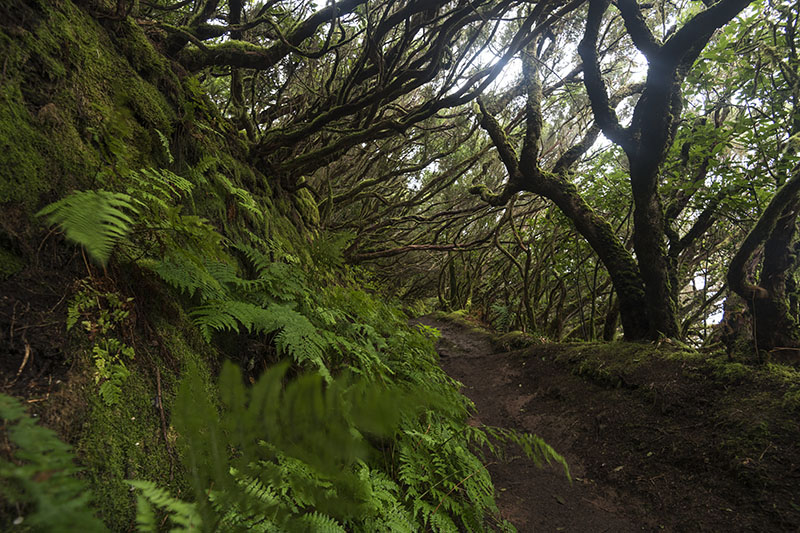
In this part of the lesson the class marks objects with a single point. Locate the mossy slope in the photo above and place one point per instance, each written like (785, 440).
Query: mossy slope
(78, 94)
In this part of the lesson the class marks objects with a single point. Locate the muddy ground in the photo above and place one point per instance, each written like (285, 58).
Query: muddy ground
(654, 443)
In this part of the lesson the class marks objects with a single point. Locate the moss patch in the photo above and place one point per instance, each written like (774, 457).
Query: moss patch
(127, 441)
(124, 442)
(62, 80)
(307, 207)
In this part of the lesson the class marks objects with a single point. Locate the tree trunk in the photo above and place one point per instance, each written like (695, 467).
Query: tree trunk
(619, 263)
(656, 120)
(774, 326)
(650, 247)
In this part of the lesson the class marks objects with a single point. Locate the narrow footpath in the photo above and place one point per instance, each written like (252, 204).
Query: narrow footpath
(636, 465)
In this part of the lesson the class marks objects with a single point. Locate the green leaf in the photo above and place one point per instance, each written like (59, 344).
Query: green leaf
(96, 220)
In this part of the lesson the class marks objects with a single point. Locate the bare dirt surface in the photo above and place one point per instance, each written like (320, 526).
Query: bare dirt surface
(645, 452)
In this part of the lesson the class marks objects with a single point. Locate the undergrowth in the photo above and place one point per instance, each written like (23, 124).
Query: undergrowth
(353, 426)
(38, 477)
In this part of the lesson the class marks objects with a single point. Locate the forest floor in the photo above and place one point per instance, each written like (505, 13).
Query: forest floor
(653, 442)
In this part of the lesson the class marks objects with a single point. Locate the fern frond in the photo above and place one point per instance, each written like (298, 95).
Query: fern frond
(299, 338)
(145, 517)
(319, 523)
(188, 274)
(155, 189)
(284, 282)
(183, 514)
(176, 186)
(327, 250)
(42, 475)
(111, 388)
(97, 220)
(225, 315)
(280, 281)
(165, 146)
(191, 234)
(224, 273)
(206, 163)
(534, 447)
(244, 197)
(258, 259)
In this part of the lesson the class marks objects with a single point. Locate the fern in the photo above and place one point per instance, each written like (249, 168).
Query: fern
(41, 474)
(245, 200)
(154, 188)
(301, 450)
(503, 316)
(299, 338)
(224, 315)
(284, 282)
(448, 485)
(229, 315)
(145, 517)
(184, 515)
(111, 389)
(165, 146)
(496, 439)
(327, 250)
(278, 280)
(102, 313)
(259, 260)
(97, 220)
(206, 163)
(188, 274)
(317, 522)
(388, 514)
(258, 510)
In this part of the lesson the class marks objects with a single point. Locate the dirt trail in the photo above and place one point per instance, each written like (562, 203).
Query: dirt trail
(618, 484)
(533, 499)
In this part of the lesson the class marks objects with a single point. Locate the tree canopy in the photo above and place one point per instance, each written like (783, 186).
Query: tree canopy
(455, 140)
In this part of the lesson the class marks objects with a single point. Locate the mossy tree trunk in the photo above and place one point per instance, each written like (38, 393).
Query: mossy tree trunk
(651, 131)
(774, 326)
(649, 241)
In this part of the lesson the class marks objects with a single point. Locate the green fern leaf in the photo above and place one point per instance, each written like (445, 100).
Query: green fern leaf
(319, 523)
(223, 315)
(182, 514)
(111, 389)
(299, 338)
(42, 475)
(165, 146)
(189, 274)
(97, 220)
(145, 517)
(258, 259)
(158, 187)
